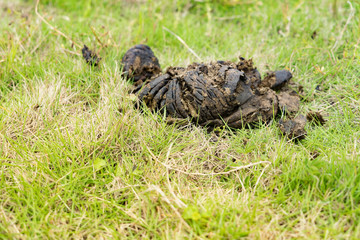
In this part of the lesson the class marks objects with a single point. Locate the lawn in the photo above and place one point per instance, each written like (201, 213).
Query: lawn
(77, 161)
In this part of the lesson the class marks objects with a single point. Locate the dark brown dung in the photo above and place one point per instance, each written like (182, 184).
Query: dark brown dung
(140, 63)
(293, 129)
(217, 93)
(315, 118)
(90, 57)
(213, 94)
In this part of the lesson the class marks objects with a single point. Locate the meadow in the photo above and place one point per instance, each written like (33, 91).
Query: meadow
(78, 161)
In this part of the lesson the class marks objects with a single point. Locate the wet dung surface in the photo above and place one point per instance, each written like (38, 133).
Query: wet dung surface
(140, 63)
(90, 57)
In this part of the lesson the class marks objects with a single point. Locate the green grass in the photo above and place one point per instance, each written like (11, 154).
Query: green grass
(77, 161)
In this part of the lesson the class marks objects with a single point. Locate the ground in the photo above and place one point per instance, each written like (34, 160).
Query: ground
(77, 161)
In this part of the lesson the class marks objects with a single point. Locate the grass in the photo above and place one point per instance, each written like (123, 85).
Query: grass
(77, 161)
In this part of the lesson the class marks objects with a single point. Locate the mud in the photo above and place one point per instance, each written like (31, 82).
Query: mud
(90, 57)
(140, 63)
(214, 94)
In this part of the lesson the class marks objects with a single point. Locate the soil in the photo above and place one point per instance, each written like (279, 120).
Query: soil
(90, 57)
(212, 94)
(140, 63)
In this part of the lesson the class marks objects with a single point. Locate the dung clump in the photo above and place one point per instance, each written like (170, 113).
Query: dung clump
(216, 94)
(293, 128)
(140, 63)
(90, 57)
(315, 118)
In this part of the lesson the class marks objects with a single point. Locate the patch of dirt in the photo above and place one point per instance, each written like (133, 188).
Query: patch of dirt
(293, 129)
(90, 57)
(140, 63)
(315, 118)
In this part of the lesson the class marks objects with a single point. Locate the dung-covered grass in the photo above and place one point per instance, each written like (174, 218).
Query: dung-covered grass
(77, 161)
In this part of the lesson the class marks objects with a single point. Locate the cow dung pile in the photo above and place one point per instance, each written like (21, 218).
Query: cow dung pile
(216, 93)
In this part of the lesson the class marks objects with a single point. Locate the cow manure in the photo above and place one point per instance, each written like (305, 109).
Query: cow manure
(313, 35)
(293, 128)
(90, 57)
(315, 118)
(139, 63)
(314, 155)
(214, 94)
